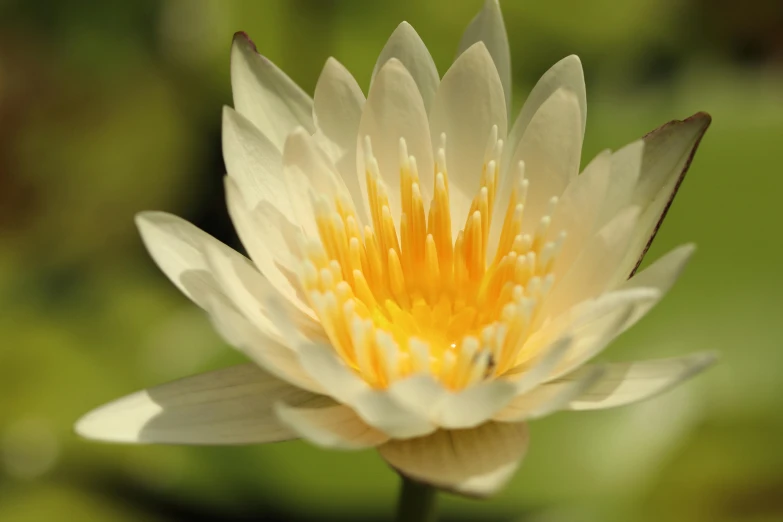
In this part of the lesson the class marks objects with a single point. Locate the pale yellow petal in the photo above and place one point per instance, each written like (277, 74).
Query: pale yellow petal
(550, 397)
(177, 247)
(590, 326)
(596, 269)
(626, 383)
(271, 354)
(488, 27)
(578, 211)
(310, 176)
(337, 109)
(452, 409)
(469, 103)
(254, 163)
(394, 111)
(661, 275)
(229, 406)
(329, 424)
(376, 407)
(668, 153)
(265, 95)
(551, 149)
(406, 45)
(624, 174)
(566, 74)
(477, 461)
(272, 242)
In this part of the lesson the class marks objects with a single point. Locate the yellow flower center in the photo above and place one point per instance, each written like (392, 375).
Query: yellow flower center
(421, 300)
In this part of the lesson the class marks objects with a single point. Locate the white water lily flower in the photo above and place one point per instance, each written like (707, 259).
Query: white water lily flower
(424, 279)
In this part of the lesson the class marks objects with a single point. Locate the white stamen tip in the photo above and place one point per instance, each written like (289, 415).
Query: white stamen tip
(403, 152)
(442, 159)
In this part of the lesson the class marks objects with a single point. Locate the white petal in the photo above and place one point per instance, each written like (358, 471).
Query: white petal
(395, 110)
(596, 269)
(567, 74)
(252, 294)
(550, 397)
(178, 249)
(323, 365)
(530, 373)
(337, 110)
(310, 175)
(452, 410)
(377, 408)
(273, 244)
(229, 406)
(488, 27)
(244, 286)
(380, 410)
(660, 275)
(668, 152)
(469, 102)
(253, 162)
(406, 45)
(329, 424)
(271, 353)
(477, 461)
(624, 175)
(265, 95)
(626, 383)
(551, 148)
(578, 210)
(591, 326)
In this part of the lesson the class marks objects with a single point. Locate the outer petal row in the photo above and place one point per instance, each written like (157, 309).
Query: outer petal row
(406, 45)
(595, 387)
(229, 406)
(488, 27)
(469, 102)
(337, 110)
(474, 462)
(394, 110)
(266, 95)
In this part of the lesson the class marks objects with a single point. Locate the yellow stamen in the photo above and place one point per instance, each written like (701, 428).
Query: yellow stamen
(396, 300)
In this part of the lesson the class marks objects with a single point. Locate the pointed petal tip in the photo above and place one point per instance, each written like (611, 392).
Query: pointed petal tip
(701, 118)
(331, 61)
(393, 62)
(147, 218)
(300, 133)
(703, 360)
(140, 217)
(86, 429)
(107, 423)
(687, 249)
(246, 44)
(241, 37)
(479, 47)
(82, 426)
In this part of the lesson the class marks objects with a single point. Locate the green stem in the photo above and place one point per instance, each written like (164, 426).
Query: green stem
(417, 502)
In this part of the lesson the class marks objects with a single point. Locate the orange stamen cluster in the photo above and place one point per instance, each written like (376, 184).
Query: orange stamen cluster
(402, 300)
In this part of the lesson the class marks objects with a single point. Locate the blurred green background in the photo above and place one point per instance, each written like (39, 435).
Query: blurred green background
(110, 107)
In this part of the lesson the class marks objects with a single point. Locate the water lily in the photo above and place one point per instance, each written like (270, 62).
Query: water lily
(425, 275)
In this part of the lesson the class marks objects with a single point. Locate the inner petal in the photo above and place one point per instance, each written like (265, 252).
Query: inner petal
(414, 299)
